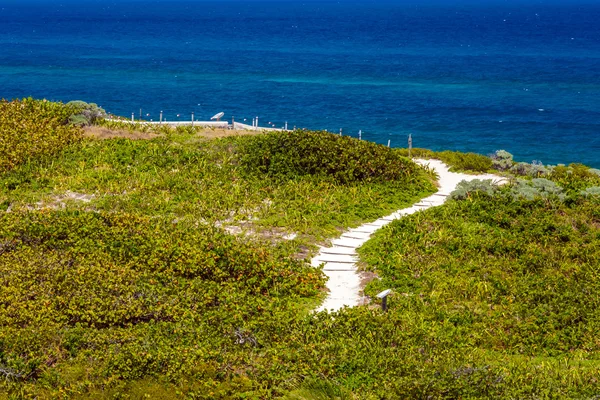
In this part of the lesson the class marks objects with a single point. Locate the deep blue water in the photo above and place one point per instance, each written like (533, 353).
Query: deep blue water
(517, 76)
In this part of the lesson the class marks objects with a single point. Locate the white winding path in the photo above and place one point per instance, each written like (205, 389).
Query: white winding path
(340, 259)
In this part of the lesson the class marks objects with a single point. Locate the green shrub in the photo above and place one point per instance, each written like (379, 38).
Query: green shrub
(417, 153)
(342, 159)
(33, 128)
(502, 160)
(534, 170)
(593, 191)
(83, 114)
(594, 171)
(457, 161)
(466, 189)
(469, 162)
(537, 188)
(574, 177)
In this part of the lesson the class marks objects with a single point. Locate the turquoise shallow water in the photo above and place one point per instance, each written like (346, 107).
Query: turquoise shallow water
(521, 76)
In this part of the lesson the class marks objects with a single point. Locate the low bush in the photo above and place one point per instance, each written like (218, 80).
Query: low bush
(593, 191)
(466, 189)
(469, 162)
(533, 170)
(340, 158)
(83, 114)
(76, 287)
(536, 188)
(509, 282)
(574, 177)
(32, 128)
(502, 160)
(457, 161)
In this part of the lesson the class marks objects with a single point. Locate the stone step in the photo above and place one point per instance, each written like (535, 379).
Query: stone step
(337, 258)
(352, 243)
(377, 224)
(407, 211)
(356, 235)
(338, 250)
(332, 266)
(364, 229)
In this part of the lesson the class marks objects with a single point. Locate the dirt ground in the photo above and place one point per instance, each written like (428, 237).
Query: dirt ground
(99, 132)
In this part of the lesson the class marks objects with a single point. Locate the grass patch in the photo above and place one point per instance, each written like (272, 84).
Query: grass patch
(508, 285)
(200, 179)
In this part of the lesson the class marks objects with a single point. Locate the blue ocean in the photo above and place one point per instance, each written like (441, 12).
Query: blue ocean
(523, 76)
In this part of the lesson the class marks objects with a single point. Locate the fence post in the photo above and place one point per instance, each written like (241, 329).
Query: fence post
(192, 118)
(132, 117)
(389, 142)
(161, 115)
(409, 144)
(360, 135)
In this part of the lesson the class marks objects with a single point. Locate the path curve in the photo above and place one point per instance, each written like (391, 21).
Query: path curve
(340, 259)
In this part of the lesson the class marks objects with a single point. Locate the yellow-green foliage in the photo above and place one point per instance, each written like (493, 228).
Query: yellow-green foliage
(187, 177)
(509, 285)
(340, 158)
(137, 293)
(77, 286)
(456, 160)
(30, 128)
(472, 162)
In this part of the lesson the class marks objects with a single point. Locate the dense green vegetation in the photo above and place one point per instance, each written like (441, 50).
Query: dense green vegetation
(457, 161)
(341, 159)
(31, 128)
(509, 286)
(187, 177)
(120, 278)
(90, 298)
